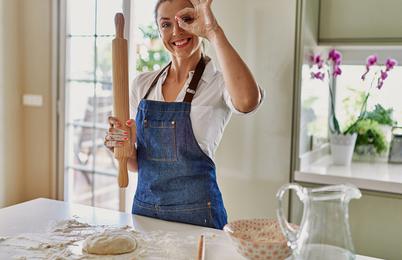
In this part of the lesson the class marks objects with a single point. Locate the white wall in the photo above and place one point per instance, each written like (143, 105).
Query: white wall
(11, 155)
(25, 47)
(253, 159)
(360, 19)
(36, 79)
(2, 109)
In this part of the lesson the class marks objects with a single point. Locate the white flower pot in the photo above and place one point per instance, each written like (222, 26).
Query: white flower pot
(342, 147)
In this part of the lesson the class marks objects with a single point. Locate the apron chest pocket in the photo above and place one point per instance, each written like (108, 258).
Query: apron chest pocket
(160, 139)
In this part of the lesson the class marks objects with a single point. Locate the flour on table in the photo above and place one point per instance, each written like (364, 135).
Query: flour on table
(66, 226)
(66, 240)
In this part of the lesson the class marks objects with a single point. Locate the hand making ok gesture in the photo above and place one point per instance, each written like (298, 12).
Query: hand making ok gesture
(198, 20)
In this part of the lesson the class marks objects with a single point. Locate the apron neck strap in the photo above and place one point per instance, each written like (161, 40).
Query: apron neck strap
(192, 88)
(156, 80)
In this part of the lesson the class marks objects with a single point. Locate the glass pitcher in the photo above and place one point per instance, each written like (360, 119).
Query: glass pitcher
(324, 232)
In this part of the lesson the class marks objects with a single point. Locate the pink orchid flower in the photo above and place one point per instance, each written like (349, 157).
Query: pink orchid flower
(335, 56)
(317, 60)
(390, 64)
(371, 60)
(318, 75)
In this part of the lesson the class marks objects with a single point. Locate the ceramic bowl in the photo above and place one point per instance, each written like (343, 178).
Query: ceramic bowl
(258, 239)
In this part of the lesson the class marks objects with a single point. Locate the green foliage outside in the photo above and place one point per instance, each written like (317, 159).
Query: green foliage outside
(369, 133)
(155, 55)
(381, 115)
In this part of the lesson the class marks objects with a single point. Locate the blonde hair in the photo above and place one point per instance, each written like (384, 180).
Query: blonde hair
(158, 3)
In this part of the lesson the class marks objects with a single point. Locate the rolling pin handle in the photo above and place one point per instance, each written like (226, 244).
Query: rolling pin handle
(119, 23)
(123, 173)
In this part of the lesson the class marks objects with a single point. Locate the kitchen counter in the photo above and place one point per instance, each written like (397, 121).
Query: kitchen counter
(34, 217)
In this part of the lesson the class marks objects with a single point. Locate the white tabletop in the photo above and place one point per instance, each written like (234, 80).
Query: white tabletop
(34, 217)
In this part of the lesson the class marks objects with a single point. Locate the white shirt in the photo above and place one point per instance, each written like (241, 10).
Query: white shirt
(211, 107)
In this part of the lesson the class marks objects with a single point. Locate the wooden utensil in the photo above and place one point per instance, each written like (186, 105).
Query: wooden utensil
(201, 248)
(120, 96)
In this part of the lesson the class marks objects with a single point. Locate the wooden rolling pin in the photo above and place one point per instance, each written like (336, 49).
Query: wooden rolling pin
(120, 97)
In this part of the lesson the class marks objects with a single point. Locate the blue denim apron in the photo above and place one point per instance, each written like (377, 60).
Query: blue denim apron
(176, 179)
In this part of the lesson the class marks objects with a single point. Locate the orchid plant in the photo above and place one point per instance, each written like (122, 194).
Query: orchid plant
(330, 68)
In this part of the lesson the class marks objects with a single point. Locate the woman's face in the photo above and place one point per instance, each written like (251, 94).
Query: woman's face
(177, 41)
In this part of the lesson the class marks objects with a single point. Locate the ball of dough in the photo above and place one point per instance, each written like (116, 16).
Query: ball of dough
(110, 243)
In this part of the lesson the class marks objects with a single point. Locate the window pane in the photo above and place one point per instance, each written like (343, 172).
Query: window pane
(390, 94)
(104, 104)
(314, 111)
(106, 192)
(350, 89)
(81, 17)
(151, 54)
(80, 186)
(104, 60)
(80, 147)
(80, 58)
(107, 9)
(105, 161)
(144, 15)
(79, 102)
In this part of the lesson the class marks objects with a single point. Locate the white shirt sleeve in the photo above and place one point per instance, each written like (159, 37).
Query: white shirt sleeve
(229, 103)
(134, 98)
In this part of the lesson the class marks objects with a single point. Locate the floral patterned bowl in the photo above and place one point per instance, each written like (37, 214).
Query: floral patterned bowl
(258, 239)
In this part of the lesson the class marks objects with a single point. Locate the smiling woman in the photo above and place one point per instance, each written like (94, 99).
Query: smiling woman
(176, 143)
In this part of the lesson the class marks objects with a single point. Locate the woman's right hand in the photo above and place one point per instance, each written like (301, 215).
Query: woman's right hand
(116, 137)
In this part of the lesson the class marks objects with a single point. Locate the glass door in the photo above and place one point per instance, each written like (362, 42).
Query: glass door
(89, 169)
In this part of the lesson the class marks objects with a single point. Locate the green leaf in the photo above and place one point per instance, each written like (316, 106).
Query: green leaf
(370, 133)
(381, 115)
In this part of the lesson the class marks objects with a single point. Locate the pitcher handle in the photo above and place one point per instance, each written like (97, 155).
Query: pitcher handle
(290, 233)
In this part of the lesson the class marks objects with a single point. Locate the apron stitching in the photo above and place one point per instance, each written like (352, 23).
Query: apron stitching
(181, 210)
(159, 209)
(174, 142)
(163, 110)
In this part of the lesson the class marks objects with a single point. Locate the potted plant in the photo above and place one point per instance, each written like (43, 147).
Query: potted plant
(385, 118)
(370, 142)
(343, 141)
